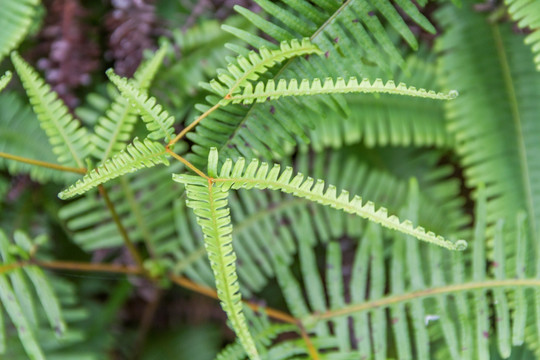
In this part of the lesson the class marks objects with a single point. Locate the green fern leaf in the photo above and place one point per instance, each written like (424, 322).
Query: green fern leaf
(136, 156)
(271, 91)
(158, 121)
(261, 176)
(114, 128)
(525, 12)
(5, 79)
(209, 203)
(17, 16)
(252, 66)
(69, 140)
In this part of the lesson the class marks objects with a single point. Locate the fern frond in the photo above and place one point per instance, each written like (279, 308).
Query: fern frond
(69, 140)
(114, 128)
(18, 124)
(272, 91)
(249, 68)
(209, 203)
(496, 144)
(261, 176)
(5, 79)
(157, 120)
(525, 12)
(17, 16)
(136, 156)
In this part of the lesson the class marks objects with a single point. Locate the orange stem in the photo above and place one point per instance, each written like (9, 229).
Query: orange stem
(187, 163)
(43, 163)
(193, 124)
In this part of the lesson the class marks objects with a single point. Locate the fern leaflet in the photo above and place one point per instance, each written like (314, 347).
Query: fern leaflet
(158, 121)
(5, 79)
(69, 140)
(209, 203)
(115, 127)
(525, 12)
(237, 175)
(136, 156)
(15, 21)
(249, 68)
(270, 91)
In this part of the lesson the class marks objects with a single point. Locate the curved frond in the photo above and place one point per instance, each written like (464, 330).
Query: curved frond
(136, 156)
(69, 140)
(157, 120)
(114, 128)
(17, 16)
(271, 91)
(209, 203)
(525, 12)
(249, 68)
(261, 176)
(5, 79)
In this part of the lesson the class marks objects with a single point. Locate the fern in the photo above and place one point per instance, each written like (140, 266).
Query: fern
(525, 12)
(17, 125)
(158, 121)
(254, 175)
(136, 156)
(210, 205)
(114, 129)
(4, 80)
(271, 91)
(70, 141)
(250, 67)
(351, 37)
(18, 301)
(15, 23)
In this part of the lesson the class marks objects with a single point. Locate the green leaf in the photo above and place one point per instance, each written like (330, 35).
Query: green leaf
(69, 140)
(272, 91)
(17, 17)
(137, 155)
(157, 120)
(209, 204)
(5, 79)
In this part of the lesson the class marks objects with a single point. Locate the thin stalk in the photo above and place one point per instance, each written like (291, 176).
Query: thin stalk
(204, 290)
(192, 125)
(81, 266)
(43, 163)
(127, 242)
(313, 354)
(395, 299)
(187, 163)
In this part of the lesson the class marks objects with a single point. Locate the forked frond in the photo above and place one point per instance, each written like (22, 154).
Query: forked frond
(250, 67)
(136, 156)
(236, 175)
(114, 128)
(209, 203)
(5, 79)
(157, 120)
(525, 12)
(271, 91)
(69, 140)
(17, 16)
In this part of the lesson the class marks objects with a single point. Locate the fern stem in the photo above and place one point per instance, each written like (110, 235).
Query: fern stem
(313, 353)
(82, 266)
(204, 290)
(127, 242)
(43, 163)
(426, 293)
(193, 124)
(187, 163)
